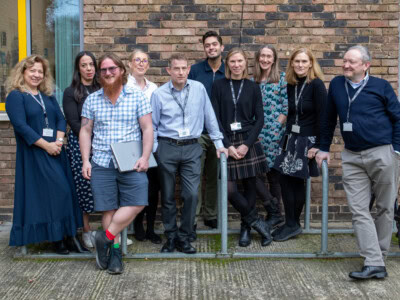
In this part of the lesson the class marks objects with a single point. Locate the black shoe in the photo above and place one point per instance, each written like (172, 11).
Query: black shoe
(115, 265)
(169, 246)
(245, 236)
(211, 223)
(74, 245)
(274, 220)
(287, 233)
(277, 231)
(193, 236)
(185, 247)
(102, 245)
(140, 234)
(60, 248)
(368, 272)
(154, 238)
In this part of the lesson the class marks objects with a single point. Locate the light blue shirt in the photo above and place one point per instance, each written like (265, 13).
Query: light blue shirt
(355, 85)
(168, 116)
(114, 123)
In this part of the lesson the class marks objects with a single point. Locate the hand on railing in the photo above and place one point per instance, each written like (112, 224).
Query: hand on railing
(222, 150)
(321, 156)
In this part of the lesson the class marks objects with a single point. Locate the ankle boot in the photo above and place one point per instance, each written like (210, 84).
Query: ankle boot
(245, 236)
(273, 208)
(60, 248)
(259, 225)
(140, 234)
(74, 245)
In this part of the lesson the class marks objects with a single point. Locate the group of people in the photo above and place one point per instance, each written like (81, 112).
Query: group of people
(274, 128)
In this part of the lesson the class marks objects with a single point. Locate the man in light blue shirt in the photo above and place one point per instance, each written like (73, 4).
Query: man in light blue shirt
(181, 109)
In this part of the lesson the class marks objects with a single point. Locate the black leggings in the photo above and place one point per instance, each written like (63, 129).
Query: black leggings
(294, 197)
(245, 203)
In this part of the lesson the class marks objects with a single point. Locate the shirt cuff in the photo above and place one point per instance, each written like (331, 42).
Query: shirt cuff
(155, 146)
(218, 144)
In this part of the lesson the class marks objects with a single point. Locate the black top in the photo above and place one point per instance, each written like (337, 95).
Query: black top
(310, 107)
(250, 111)
(73, 109)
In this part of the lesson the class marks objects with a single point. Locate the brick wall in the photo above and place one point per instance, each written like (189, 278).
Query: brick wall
(162, 27)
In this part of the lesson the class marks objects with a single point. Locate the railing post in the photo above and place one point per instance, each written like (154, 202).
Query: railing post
(223, 199)
(324, 225)
(307, 208)
(124, 239)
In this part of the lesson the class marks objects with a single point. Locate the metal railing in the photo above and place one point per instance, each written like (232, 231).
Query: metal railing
(223, 230)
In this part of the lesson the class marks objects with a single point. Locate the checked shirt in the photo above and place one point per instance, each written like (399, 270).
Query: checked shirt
(114, 123)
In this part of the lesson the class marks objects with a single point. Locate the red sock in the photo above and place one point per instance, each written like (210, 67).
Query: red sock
(109, 235)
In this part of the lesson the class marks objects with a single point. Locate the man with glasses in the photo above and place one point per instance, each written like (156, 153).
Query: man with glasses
(116, 113)
(181, 109)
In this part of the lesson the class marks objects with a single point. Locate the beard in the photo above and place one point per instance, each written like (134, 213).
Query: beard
(112, 88)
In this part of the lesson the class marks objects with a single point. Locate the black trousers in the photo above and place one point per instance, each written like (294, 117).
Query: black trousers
(294, 197)
(185, 161)
(151, 210)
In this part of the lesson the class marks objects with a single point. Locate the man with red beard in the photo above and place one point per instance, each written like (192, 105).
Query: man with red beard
(114, 114)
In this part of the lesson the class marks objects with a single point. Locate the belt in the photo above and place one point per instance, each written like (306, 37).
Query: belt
(179, 142)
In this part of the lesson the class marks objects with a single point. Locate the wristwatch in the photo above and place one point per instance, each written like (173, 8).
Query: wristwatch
(60, 140)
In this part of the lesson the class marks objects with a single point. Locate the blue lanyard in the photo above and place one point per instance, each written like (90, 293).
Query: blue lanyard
(41, 103)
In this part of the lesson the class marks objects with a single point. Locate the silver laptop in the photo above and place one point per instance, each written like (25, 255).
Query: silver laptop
(127, 153)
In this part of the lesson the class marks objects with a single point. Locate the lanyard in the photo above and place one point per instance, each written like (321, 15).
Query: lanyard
(297, 99)
(41, 103)
(182, 107)
(234, 98)
(354, 97)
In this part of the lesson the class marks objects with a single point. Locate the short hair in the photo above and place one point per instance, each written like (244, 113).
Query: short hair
(210, 34)
(232, 52)
(314, 72)
(16, 78)
(365, 55)
(176, 56)
(274, 75)
(118, 61)
(137, 51)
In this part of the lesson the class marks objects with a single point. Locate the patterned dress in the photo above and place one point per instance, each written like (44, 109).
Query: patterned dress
(275, 102)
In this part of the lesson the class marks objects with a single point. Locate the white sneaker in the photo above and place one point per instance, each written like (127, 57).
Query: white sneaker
(86, 239)
(129, 242)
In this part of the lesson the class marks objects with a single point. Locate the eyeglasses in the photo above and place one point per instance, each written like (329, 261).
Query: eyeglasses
(112, 70)
(138, 61)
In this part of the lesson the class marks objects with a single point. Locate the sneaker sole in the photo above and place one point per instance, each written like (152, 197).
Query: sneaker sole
(114, 272)
(292, 235)
(381, 275)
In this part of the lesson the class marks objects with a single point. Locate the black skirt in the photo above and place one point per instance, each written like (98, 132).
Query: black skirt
(253, 164)
(294, 161)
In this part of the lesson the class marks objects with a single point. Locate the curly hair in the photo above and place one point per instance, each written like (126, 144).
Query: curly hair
(16, 78)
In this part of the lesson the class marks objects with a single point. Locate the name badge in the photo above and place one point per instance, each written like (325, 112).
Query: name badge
(236, 126)
(47, 132)
(347, 126)
(184, 132)
(296, 128)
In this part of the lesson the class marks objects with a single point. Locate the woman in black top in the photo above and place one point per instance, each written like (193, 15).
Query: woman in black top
(83, 83)
(238, 107)
(296, 162)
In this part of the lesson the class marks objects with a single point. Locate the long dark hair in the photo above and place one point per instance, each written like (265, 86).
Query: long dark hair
(76, 84)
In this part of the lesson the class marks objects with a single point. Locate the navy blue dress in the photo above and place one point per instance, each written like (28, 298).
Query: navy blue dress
(45, 202)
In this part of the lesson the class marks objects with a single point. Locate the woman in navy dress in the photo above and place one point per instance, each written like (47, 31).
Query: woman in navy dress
(45, 203)
(84, 82)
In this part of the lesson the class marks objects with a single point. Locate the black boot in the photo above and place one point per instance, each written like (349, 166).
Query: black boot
(274, 217)
(245, 236)
(259, 225)
(140, 234)
(74, 245)
(60, 248)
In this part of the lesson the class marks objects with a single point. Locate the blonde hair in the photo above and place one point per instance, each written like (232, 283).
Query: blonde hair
(16, 78)
(232, 52)
(274, 75)
(314, 72)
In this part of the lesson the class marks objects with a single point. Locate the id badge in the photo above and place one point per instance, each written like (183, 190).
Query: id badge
(236, 126)
(347, 126)
(47, 132)
(185, 132)
(296, 128)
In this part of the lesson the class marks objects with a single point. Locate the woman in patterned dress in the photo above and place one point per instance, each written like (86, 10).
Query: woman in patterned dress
(275, 104)
(84, 82)
(296, 160)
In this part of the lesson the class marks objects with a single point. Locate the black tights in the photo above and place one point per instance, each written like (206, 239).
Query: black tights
(245, 203)
(294, 197)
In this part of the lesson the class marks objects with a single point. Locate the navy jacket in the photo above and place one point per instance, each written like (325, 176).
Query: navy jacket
(375, 115)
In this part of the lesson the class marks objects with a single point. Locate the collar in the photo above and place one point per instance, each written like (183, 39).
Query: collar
(172, 88)
(133, 79)
(355, 85)
(207, 67)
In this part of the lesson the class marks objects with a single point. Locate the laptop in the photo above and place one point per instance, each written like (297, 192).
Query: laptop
(127, 153)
